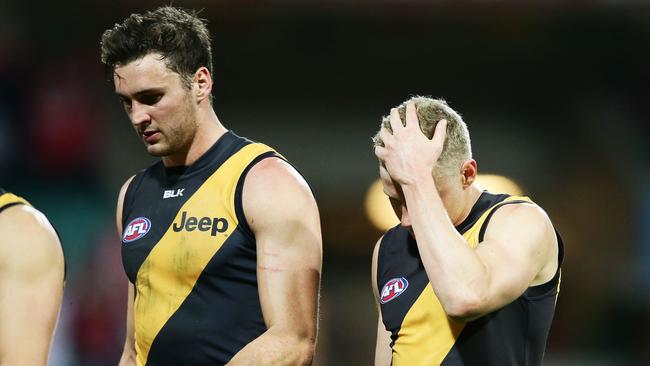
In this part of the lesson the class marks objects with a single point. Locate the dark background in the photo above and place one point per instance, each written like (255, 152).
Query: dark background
(554, 94)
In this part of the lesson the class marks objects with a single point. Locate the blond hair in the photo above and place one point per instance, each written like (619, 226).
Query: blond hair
(457, 147)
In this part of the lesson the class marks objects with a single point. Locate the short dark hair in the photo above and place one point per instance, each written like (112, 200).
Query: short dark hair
(180, 36)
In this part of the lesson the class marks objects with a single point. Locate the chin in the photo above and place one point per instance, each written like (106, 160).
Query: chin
(157, 151)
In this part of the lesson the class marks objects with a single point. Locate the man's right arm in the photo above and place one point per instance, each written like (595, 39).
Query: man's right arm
(383, 352)
(128, 355)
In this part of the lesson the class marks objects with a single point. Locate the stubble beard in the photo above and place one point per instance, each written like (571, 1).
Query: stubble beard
(178, 137)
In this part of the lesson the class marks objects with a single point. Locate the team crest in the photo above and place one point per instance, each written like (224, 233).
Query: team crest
(392, 289)
(136, 229)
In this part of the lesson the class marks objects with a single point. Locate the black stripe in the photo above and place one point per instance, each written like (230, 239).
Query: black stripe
(484, 202)
(10, 205)
(129, 196)
(400, 259)
(221, 314)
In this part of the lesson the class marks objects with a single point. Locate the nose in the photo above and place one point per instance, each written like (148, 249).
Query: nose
(404, 218)
(139, 113)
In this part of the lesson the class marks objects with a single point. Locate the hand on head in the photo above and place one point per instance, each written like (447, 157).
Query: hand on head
(407, 153)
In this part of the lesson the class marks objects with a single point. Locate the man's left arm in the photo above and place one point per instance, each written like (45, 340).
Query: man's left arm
(519, 250)
(283, 215)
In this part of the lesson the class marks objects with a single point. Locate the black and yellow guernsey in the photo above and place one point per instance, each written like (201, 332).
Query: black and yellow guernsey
(189, 252)
(8, 199)
(421, 332)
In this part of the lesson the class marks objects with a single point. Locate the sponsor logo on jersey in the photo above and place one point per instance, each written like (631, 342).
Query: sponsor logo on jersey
(136, 229)
(212, 224)
(170, 193)
(392, 289)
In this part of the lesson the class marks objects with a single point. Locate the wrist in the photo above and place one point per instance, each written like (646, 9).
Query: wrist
(419, 178)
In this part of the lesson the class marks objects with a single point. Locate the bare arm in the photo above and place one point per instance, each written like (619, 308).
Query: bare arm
(282, 213)
(128, 355)
(383, 352)
(31, 286)
(519, 249)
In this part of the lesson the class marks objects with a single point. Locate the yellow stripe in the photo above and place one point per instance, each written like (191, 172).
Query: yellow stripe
(9, 198)
(427, 334)
(173, 266)
(471, 235)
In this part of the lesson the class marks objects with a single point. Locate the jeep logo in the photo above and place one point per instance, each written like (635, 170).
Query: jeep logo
(214, 225)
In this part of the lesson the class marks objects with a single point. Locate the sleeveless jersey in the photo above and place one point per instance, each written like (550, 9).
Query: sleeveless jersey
(9, 199)
(421, 332)
(191, 256)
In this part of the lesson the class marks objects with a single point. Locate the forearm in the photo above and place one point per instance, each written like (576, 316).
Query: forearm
(127, 359)
(276, 347)
(458, 276)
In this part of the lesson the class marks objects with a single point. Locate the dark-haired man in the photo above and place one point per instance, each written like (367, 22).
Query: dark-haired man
(31, 282)
(469, 277)
(220, 239)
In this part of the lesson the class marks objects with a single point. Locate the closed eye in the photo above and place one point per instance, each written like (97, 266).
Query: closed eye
(149, 98)
(126, 102)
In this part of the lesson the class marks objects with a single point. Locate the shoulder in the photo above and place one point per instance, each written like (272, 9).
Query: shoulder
(273, 173)
(375, 262)
(274, 181)
(526, 228)
(521, 215)
(28, 242)
(120, 204)
(124, 188)
(276, 197)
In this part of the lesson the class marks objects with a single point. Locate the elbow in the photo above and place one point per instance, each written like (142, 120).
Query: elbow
(306, 350)
(462, 309)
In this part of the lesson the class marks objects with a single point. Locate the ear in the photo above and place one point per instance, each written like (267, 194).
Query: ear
(468, 170)
(203, 81)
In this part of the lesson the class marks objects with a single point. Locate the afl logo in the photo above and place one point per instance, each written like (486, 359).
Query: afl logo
(136, 229)
(392, 289)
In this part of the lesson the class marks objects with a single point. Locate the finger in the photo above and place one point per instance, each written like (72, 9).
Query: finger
(395, 120)
(411, 115)
(380, 152)
(440, 132)
(385, 136)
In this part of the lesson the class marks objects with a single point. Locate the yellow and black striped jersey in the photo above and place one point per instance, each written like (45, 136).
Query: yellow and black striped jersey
(9, 199)
(191, 256)
(421, 332)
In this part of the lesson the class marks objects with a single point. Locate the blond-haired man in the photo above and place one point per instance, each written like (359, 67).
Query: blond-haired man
(469, 277)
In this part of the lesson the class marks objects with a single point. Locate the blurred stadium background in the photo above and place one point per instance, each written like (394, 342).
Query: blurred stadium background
(555, 94)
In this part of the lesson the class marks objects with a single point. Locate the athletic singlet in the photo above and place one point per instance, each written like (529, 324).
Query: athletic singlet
(191, 256)
(9, 199)
(422, 333)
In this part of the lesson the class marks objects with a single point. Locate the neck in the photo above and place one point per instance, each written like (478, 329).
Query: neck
(469, 197)
(209, 130)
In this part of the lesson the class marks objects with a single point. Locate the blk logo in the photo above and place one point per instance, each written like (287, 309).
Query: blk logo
(214, 225)
(136, 229)
(170, 193)
(392, 289)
